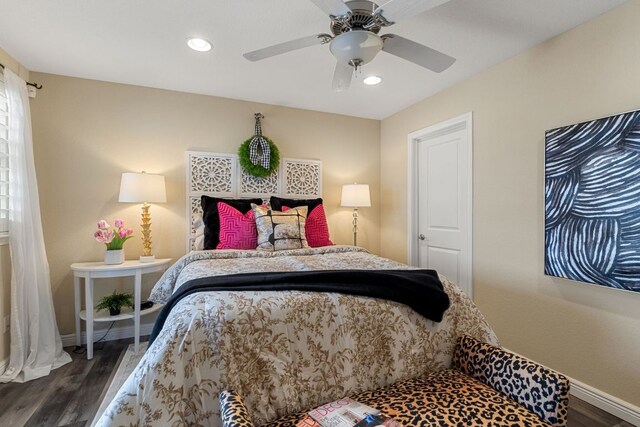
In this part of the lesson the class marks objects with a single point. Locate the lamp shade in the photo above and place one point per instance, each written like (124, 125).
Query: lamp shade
(142, 187)
(355, 196)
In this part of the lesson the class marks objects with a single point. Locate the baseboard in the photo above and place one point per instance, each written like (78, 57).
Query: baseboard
(598, 398)
(114, 334)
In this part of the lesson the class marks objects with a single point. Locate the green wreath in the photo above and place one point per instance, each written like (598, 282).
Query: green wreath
(258, 170)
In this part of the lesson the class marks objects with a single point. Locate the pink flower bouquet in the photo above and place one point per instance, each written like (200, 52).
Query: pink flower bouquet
(113, 239)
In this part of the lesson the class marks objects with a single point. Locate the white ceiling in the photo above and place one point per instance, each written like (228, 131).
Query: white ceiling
(143, 42)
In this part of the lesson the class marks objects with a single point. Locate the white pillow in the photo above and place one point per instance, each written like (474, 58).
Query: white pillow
(198, 225)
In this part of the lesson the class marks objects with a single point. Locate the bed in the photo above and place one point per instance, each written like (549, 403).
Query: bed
(282, 350)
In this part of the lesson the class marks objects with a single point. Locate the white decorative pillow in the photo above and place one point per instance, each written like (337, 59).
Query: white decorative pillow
(198, 226)
(279, 231)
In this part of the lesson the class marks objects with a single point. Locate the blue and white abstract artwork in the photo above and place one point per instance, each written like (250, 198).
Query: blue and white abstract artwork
(592, 202)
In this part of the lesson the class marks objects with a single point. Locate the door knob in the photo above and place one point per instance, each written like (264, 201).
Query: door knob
(422, 237)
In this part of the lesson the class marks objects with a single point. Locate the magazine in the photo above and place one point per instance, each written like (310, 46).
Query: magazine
(377, 421)
(307, 422)
(342, 413)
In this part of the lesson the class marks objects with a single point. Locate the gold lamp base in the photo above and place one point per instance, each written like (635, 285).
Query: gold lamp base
(146, 235)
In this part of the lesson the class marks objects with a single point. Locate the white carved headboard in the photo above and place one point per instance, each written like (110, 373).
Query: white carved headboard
(220, 175)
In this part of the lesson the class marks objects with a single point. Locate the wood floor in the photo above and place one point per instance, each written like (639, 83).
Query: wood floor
(71, 395)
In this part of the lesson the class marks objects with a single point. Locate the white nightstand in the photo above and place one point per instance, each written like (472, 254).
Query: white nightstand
(99, 270)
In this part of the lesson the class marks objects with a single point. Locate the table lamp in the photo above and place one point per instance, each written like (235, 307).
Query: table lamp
(355, 196)
(143, 188)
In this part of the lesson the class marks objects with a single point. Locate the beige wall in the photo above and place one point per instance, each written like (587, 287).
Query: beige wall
(8, 61)
(86, 133)
(588, 332)
(5, 258)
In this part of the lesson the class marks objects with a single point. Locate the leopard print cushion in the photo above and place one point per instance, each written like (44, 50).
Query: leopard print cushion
(233, 411)
(541, 390)
(444, 399)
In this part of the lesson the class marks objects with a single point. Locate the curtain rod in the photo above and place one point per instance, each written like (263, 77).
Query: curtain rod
(34, 84)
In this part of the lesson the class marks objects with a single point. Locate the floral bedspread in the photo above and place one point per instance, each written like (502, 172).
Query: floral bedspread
(282, 351)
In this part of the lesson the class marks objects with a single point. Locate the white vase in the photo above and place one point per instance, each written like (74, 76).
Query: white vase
(115, 256)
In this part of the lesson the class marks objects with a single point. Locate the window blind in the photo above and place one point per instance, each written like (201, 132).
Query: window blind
(4, 157)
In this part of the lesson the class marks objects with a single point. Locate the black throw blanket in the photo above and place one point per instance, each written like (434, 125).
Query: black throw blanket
(419, 289)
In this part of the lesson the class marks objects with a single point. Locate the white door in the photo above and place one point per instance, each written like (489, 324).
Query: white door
(443, 226)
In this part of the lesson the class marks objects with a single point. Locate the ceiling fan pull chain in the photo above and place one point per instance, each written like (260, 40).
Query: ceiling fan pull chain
(357, 66)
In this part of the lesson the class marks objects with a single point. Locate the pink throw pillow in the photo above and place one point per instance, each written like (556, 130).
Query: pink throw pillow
(316, 228)
(237, 231)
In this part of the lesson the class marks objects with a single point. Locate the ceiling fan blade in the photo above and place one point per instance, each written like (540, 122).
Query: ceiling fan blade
(332, 7)
(342, 77)
(285, 47)
(417, 53)
(395, 10)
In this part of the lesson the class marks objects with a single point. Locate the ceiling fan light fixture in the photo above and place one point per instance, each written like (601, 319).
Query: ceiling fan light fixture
(356, 47)
(198, 44)
(372, 80)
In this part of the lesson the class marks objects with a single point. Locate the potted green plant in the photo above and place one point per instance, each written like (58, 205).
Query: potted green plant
(114, 302)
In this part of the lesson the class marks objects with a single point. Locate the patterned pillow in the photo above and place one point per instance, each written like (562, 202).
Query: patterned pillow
(237, 231)
(316, 228)
(278, 231)
(211, 217)
(198, 226)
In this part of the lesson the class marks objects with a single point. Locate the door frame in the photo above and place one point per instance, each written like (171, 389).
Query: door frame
(462, 122)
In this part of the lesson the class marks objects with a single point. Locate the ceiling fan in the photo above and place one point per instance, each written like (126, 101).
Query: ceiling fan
(355, 41)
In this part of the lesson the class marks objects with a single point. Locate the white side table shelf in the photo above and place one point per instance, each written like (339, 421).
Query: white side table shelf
(99, 270)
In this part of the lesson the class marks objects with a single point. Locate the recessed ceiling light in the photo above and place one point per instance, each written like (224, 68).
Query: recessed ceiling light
(201, 45)
(372, 80)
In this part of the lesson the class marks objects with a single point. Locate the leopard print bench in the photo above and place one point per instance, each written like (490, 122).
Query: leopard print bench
(487, 387)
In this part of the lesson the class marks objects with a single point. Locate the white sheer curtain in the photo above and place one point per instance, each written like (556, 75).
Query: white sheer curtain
(36, 347)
